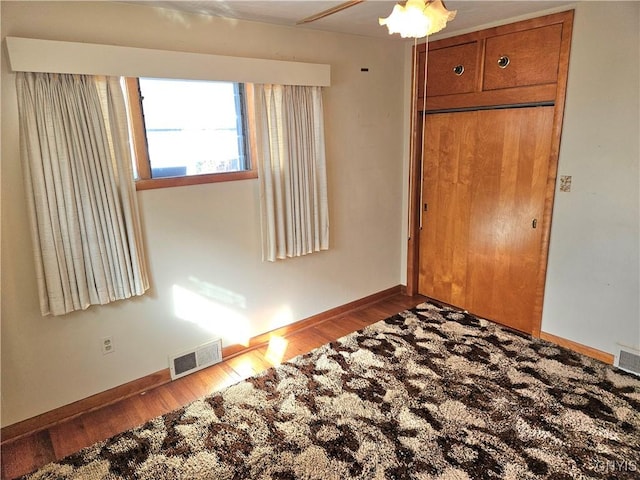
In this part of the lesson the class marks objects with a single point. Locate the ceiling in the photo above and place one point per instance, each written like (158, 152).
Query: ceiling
(360, 19)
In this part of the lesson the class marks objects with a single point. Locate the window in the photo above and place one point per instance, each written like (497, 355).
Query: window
(187, 131)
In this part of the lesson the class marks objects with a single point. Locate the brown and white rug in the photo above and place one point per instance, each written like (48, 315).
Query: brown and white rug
(430, 393)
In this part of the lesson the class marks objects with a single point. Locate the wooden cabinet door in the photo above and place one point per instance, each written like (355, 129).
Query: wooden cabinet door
(450, 70)
(519, 59)
(485, 174)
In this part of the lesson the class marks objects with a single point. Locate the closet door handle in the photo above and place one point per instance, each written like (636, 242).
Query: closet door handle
(503, 61)
(534, 223)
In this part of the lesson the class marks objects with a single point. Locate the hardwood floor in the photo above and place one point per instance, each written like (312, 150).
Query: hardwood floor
(26, 454)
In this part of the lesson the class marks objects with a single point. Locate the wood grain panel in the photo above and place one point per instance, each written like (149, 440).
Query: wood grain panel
(504, 246)
(533, 56)
(26, 455)
(446, 181)
(507, 96)
(419, 72)
(151, 183)
(441, 79)
(484, 182)
(538, 49)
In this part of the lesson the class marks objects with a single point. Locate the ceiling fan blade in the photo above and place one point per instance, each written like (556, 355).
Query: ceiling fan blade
(329, 11)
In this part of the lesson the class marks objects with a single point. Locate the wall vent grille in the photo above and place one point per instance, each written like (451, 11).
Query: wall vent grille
(628, 359)
(193, 360)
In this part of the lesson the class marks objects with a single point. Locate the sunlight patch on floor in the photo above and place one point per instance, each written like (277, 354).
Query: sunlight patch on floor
(276, 349)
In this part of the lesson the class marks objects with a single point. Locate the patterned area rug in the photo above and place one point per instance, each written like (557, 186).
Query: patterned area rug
(430, 393)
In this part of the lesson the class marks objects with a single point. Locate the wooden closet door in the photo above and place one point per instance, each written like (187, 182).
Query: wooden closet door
(485, 174)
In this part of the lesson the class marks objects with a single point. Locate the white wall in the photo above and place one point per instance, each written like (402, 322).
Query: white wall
(593, 277)
(203, 241)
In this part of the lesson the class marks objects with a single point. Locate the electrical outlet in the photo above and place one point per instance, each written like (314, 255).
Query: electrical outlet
(107, 345)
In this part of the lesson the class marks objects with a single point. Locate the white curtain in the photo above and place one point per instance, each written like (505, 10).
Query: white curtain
(292, 170)
(82, 200)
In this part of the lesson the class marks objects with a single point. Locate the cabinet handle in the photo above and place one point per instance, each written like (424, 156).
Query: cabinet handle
(458, 70)
(503, 61)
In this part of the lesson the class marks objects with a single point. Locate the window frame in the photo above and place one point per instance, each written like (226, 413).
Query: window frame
(141, 152)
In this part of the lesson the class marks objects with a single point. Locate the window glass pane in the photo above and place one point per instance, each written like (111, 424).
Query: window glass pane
(193, 127)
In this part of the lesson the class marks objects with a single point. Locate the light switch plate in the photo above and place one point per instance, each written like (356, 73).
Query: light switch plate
(565, 183)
